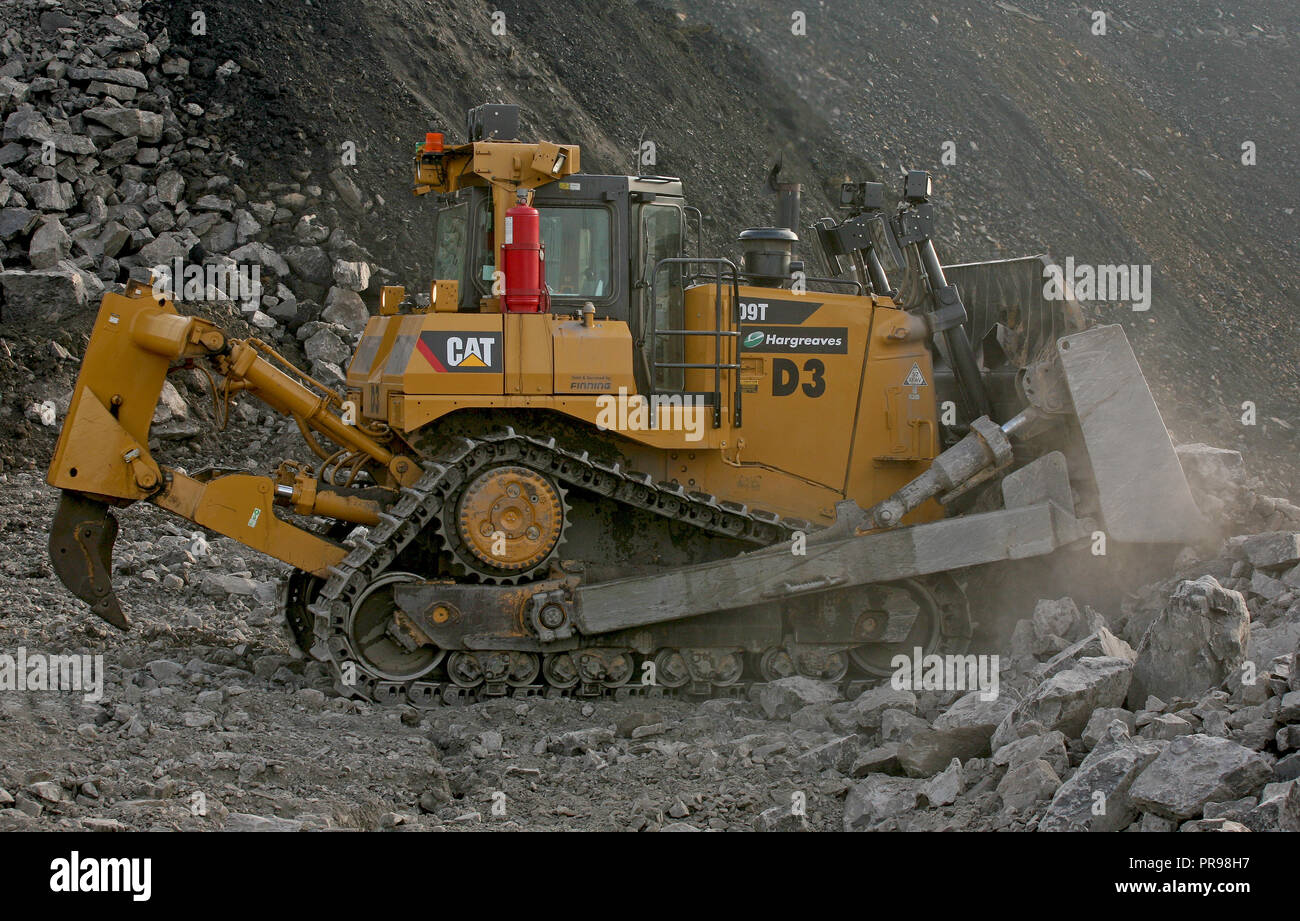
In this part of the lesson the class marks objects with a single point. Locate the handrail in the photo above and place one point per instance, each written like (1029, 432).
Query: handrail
(718, 333)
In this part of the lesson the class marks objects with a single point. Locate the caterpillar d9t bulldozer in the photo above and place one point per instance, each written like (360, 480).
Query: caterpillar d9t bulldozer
(597, 456)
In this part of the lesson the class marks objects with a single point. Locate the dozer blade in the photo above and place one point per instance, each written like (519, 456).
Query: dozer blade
(81, 549)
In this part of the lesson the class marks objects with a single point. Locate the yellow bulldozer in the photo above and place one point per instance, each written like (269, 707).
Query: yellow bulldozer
(597, 457)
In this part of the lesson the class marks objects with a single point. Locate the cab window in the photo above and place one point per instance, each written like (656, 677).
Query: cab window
(661, 238)
(578, 252)
(449, 243)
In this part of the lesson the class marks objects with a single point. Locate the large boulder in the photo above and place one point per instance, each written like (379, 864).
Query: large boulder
(1270, 550)
(866, 710)
(1199, 769)
(47, 295)
(311, 264)
(1097, 796)
(880, 797)
(1194, 644)
(345, 308)
(136, 123)
(1028, 784)
(50, 244)
(354, 276)
(927, 751)
(1066, 700)
(781, 698)
(1278, 809)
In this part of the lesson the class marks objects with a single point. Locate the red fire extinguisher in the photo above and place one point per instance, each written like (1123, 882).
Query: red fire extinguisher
(523, 259)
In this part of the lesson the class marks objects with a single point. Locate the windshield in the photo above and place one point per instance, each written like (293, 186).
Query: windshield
(577, 251)
(449, 247)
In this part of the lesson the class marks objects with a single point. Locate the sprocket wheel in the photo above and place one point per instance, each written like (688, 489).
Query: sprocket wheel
(509, 520)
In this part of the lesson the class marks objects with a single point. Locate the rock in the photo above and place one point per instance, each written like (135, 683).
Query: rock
(1094, 645)
(899, 725)
(1097, 796)
(1213, 825)
(779, 818)
(1287, 768)
(1278, 809)
(354, 276)
(26, 124)
(1028, 784)
(1167, 726)
(242, 821)
(220, 584)
(136, 123)
(348, 190)
(1288, 708)
(836, 755)
(1195, 770)
(103, 824)
(1067, 700)
(43, 412)
(877, 798)
(53, 196)
(168, 247)
(971, 711)
(1154, 823)
(346, 308)
(46, 295)
(311, 264)
(1278, 638)
(46, 790)
(17, 222)
(171, 405)
(326, 346)
(781, 698)
(170, 187)
(165, 670)
(927, 751)
(263, 255)
(12, 93)
(1270, 550)
(1048, 746)
(121, 75)
(580, 741)
(1100, 720)
(1195, 643)
(866, 710)
(944, 788)
(50, 244)
(883, 759)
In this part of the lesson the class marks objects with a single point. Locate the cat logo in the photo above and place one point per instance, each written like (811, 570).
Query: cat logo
(449, 352)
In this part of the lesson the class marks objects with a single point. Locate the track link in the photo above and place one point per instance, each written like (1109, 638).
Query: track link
(420, 507)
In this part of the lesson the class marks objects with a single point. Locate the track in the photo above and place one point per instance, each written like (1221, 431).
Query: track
(385, 666)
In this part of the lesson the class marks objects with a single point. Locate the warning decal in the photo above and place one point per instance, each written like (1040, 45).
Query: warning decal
(914, 377)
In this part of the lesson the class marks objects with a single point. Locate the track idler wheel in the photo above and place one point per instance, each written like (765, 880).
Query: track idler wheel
(382, 638)
(940, 621)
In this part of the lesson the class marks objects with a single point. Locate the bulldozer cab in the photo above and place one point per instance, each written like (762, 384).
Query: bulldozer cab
(604, 237)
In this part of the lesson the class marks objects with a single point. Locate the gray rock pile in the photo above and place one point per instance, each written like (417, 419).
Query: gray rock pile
(107, 170)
